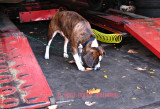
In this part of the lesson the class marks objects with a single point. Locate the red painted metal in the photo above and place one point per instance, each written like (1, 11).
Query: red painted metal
(147, 32)
(112, 23)
(22, 83)
(21, 76)
(109, 22)
(37, 15)
(145, 29)
(13, 10)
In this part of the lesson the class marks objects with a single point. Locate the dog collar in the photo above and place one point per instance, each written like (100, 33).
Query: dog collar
(84, 45)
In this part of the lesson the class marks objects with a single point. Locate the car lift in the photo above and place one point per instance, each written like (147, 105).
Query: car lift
(22, 83)
(144, 29)
(20, 73)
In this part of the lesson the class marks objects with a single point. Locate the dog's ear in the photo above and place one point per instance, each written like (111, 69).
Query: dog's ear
(90, 60)
(101, 50)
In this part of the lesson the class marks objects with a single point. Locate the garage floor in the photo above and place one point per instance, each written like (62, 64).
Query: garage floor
(130, 80)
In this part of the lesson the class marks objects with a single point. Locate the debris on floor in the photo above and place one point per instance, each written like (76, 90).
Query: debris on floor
(140, 69)
(52, 107)
(88, 103)
(105, 76)
(71, 62)
(88, 69)
(93, 91)
(132, 51)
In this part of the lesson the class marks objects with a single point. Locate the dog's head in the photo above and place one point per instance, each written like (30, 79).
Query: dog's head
(94, 56)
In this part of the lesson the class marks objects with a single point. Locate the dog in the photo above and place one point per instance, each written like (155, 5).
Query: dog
(73, 27)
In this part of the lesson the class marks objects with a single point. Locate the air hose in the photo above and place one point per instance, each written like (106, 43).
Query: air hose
(107, 38)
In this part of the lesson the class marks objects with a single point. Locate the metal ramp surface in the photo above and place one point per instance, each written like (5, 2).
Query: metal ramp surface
(147, 32)
(145, 29)
(22, 83)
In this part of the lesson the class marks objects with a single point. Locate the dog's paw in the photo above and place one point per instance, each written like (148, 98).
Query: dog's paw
(46, 57)
(65, 55)
(97, 67)
(81, 68)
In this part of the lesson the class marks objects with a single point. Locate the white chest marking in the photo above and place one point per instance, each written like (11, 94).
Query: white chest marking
(80, 47)
(94, 43)
(100, 58)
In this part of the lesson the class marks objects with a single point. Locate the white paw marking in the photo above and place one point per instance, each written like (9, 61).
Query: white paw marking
(65, 55)
(47, 53)
(81, 68)
(46, 57)
(97, 66)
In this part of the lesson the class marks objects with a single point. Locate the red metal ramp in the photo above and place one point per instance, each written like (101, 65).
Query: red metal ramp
(147, 31)
(22, 83)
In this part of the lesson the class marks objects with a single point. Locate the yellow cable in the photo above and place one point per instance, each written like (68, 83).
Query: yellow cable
(107, 38)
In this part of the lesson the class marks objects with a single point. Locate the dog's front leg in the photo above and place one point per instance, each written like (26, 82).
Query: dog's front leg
(77, 59)
(78, 62)
(80, 47)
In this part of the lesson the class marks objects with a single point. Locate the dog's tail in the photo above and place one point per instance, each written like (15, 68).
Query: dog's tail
(50, 32)
(53, 26)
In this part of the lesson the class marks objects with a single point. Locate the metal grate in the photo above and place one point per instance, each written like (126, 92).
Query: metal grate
(20, 75)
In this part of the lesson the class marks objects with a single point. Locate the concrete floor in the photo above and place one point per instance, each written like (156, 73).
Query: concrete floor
(132, 89)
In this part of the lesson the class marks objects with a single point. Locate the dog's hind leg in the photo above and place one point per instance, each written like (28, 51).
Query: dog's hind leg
(48, 46)
(65, 55)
